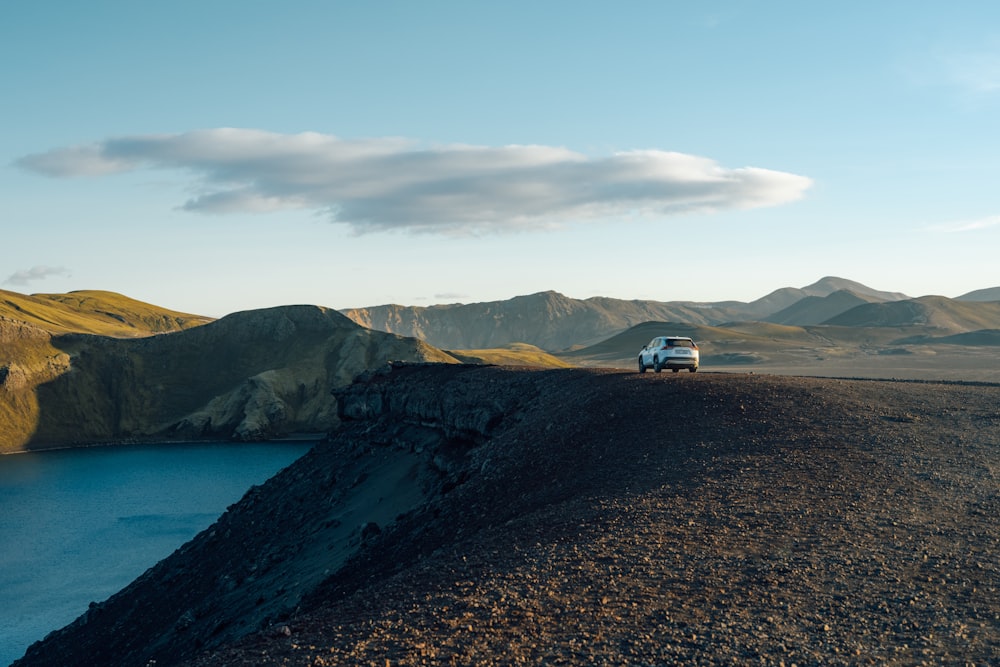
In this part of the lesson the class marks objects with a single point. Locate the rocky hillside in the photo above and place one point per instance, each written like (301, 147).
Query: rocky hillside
(481, 515)
(250, 375)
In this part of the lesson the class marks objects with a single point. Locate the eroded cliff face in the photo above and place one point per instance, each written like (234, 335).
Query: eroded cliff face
(249, 376)
(28, 359)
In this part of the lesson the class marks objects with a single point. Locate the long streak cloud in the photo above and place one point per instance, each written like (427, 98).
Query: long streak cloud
(391, 183)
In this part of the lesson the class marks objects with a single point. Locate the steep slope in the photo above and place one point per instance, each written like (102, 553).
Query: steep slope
(250, 375)
(479, 515)
(819, 309)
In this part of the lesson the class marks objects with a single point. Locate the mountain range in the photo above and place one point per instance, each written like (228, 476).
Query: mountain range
(93, 367)
(558, 323)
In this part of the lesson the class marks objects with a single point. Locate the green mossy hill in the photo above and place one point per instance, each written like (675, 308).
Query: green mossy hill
(96, 312)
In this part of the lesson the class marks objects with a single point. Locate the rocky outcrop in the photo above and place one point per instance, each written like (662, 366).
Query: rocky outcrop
(13, 377)
(460, 414)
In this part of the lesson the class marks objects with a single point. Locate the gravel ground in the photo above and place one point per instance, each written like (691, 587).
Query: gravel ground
(706, 519)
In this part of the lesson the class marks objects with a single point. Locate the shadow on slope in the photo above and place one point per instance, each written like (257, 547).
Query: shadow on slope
(251, 375)
(30, 356)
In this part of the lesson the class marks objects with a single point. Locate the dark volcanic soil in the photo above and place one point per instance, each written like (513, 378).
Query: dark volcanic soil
(481, 515)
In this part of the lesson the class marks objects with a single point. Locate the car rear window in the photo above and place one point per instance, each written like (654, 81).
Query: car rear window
(679, 343)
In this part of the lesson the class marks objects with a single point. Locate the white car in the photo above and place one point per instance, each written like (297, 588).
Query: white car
(673, 352)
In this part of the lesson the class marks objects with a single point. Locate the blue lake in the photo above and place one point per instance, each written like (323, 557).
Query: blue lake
(78, 525)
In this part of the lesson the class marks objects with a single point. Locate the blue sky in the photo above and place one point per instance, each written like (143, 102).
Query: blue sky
(218, 156)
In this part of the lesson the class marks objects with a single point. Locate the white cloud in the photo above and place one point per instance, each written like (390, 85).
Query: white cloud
(35, 273)
(390, 183)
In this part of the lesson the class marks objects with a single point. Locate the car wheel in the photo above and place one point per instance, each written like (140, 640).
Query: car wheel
(642, 366)
(693, 369)
(656, 365)
(676, 370)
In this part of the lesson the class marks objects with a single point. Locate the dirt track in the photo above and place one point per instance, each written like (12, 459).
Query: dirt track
(709, 519)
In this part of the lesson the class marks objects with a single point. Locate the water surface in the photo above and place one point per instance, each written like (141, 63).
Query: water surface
(77, 525)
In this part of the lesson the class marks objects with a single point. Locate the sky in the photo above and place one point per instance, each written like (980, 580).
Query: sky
(213, 157)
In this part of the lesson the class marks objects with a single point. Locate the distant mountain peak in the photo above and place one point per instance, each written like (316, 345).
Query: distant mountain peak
(827, 285)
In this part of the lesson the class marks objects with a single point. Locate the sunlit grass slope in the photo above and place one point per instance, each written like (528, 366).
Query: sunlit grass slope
(515, 354)
(94, 312)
